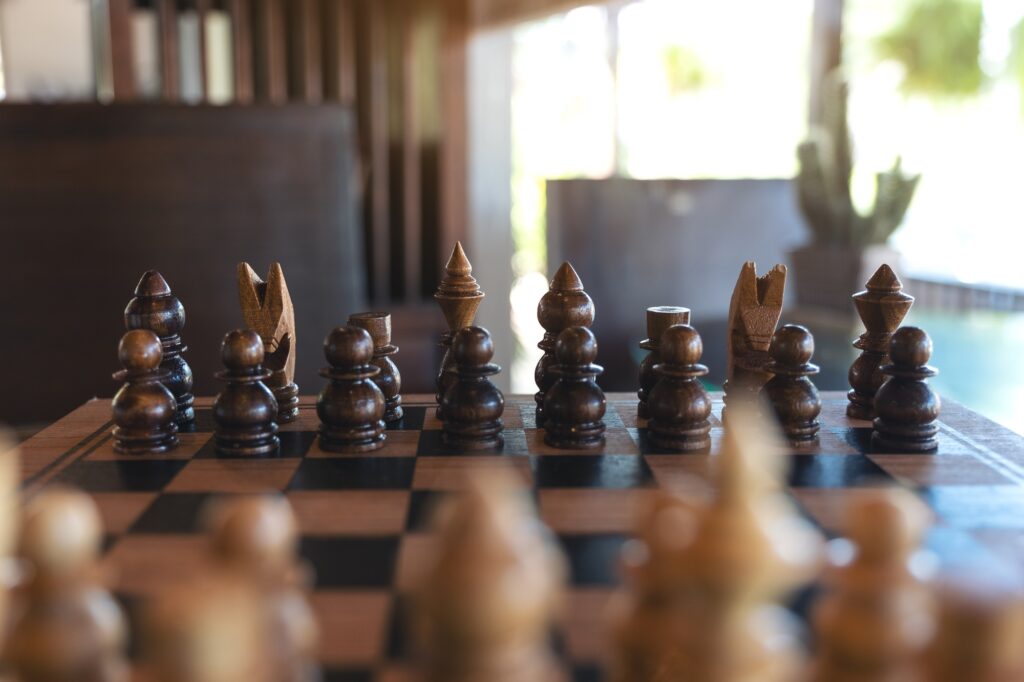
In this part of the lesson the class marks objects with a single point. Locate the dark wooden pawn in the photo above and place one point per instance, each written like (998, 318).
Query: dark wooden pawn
(245, 410)
(351, 406)
(157, 309)
(143, 409)
(574, 406)
(389, 381)
(659, 318)
(906, 407)
(679, 405)
(564, 305)
(791, 395)
(472, 405)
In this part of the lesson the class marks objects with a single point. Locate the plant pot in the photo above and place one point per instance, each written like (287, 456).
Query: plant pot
(826, 276)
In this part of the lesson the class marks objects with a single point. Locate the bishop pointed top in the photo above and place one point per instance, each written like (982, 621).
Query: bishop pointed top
(458, 265)
(152, 284)
(566, 279)
(457, 281)
(884, 280)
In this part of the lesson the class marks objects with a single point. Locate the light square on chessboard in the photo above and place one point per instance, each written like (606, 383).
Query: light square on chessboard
(350, 512)
(396, 444)
(455, 472)
(431, 444)
(353, 626)
(120, 510)
(592, 510)
(617, 441)
(188, 445)
(146, 565)
(970, 507)
(33, 461)
(234, 475)
(625, 411)
(415, 551)
(939, 469)
(307, 420)
(431, 422)
(826, 508)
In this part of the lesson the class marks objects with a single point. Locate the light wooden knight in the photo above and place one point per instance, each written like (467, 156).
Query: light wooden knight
(267, 309)
(754, 313)
(704, 577)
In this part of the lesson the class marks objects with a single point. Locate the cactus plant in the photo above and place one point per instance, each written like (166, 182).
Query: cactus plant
(823, 184)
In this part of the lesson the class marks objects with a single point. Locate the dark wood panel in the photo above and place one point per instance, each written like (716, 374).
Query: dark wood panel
(121, 56)
(339, 51)
(92, 196)
(241, 43)
(270, 50)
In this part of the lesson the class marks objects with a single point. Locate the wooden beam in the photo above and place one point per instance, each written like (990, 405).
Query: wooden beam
(411, 178)
(372, 102)
(202, 9)
(306, 74)
(122, 58)
(454, 153)
(242, 44)
(271, 67)
(339, 51)
(170, 77)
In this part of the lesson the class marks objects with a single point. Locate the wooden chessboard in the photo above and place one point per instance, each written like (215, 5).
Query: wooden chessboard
(364, 518)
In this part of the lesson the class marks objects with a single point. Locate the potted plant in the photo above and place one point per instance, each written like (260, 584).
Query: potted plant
(846, 245)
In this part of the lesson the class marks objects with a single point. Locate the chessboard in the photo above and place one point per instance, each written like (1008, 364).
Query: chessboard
(365, 519)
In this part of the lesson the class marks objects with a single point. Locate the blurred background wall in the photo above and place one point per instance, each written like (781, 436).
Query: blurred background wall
(654, 143)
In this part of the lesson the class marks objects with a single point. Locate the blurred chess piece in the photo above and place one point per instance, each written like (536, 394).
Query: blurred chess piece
(877, 617)
(10, 517)
(209, 629)
(485, 603)
(704, 579)
(70, 629)
(980, 630)
(256, 540)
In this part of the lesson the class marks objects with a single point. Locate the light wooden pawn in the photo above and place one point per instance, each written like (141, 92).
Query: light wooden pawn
(210, 629)
(877, 616)
(70, 628)
(255, 540)
(485, 602)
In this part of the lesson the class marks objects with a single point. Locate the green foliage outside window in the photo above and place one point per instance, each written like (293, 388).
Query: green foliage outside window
(938, 42)
(683, 69)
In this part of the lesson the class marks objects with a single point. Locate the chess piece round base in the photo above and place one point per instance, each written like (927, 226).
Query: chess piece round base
(287, 398)
(860, 406)
(909, 439)
(130, 442)
(576, 436)
(352, 440)
(694, 439)
(802, 433)
(473, 437)
(247, 443)
(393, 411)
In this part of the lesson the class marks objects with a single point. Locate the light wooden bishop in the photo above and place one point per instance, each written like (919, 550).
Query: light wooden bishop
(703, 577)
(485, 603)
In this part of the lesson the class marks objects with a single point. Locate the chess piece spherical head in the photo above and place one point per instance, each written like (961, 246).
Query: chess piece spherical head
(910, 347)
(472, 346)
(348, 347)
(140, 351)
(576, 346)
(255, 531)
(886, 523)
(792, 345)
(242, 349)
(61, 532)
(681, 345)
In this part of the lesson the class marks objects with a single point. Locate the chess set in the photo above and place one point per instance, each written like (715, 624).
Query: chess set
(674, 522)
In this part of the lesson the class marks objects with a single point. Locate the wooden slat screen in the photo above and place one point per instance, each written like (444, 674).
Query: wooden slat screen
(400, 64)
